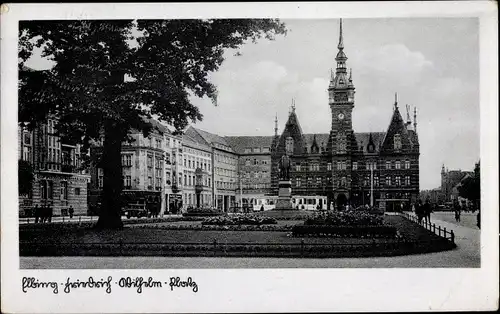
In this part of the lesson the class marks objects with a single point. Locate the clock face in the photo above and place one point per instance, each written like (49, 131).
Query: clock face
(341, 116)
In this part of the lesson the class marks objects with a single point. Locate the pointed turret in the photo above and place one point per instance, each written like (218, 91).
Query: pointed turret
(276, 125)
(415, 119)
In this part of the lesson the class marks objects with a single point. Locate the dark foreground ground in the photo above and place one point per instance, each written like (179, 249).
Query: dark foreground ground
(466, 255)
(136, 240)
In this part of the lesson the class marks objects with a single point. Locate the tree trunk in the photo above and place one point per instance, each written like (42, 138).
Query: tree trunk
(111, 207)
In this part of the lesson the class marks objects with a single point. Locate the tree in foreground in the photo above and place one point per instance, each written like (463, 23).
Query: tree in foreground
(166, 61)
(470, 187)
(25, 177)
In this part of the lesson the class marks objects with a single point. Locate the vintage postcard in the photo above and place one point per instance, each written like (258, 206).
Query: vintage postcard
(201, 157)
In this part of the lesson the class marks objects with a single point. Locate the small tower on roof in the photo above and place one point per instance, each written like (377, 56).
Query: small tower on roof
(415, 119)
(276, 125)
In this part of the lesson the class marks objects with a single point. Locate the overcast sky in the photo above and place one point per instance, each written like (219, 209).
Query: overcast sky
(432, 64)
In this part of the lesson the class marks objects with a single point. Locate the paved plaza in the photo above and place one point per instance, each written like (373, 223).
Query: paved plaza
(466, 255)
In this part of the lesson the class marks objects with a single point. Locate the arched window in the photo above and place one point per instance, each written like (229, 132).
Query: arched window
(289, 145)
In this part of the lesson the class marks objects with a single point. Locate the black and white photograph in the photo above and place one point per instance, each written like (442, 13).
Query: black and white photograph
(275, 142)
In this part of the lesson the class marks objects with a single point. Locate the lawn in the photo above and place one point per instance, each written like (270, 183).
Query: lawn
(130, 234)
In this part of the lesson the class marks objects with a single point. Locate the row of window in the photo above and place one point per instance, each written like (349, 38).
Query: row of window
(225, 159)
(190, 180)
(256, 162)
(319, 181)
(342, 165)
(226, 185)
(47, 190)
(196, 152)
(256, 174)
(194, 163)
(256, 186)
(226, 172)
(249, 150)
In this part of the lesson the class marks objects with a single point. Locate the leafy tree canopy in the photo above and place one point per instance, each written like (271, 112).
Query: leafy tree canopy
(470, 187)
(166, 60)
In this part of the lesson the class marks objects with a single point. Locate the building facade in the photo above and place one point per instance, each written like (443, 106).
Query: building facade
(379, 169)
(197, 176)
(254, 169)
(450, 180)
(143, 161)
(60, 181)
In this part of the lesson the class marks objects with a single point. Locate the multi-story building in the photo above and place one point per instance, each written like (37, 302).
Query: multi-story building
(143, 168)
(450, 180)
(347, 167)
(225, 165)
(254, 168)
(173, 172)
(59, 178)
(197, 162)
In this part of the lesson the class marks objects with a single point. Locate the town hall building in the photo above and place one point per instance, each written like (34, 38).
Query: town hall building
(350, 168)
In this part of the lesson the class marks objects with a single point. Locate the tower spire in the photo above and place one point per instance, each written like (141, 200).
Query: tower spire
(276, 125)
(395, 100)
(415, 119)
(341, 37)
(408, 119)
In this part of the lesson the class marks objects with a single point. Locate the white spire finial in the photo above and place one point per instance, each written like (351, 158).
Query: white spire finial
(341, 37)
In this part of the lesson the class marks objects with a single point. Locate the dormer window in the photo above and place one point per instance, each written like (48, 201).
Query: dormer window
(289, 145)
(397, 142)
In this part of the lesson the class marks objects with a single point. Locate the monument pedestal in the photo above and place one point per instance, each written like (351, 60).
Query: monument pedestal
(284, 196)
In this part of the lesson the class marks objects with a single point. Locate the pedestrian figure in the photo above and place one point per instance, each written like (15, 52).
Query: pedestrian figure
(71, 211)
(262, 207)
(427, 211)
(49, 213)
(457, 212)
(419, 211)
(37, 213)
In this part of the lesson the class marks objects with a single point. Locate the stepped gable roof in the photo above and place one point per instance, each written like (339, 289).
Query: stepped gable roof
(239, 143)
(363, 138)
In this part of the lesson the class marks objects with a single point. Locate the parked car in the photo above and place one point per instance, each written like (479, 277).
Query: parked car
(136, 210)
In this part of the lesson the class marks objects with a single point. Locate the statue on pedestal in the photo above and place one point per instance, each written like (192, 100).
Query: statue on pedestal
(285, 166)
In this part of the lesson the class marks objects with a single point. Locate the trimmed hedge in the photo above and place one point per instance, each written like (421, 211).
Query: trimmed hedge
(344, 231)
(280, 228)
(202, 214)
(246, 219)
(345, 218)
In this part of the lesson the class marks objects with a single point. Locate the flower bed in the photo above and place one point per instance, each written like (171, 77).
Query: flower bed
(240, 220)
(345, 218)
(344, 231)
(281, 228)
(202, 214)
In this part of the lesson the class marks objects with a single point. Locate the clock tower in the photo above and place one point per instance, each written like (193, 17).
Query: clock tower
(341, 143)
(341, 92)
